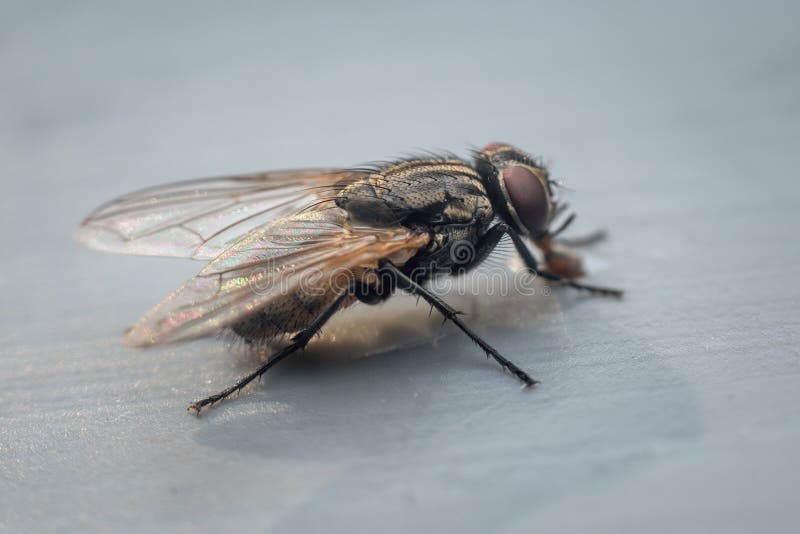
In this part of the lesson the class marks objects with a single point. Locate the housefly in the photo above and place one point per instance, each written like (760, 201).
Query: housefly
(289, 249)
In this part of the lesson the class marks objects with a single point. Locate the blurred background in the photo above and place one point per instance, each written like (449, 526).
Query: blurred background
(677, 127)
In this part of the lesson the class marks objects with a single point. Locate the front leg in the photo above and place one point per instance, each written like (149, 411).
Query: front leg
(404, 282)
(577, 241)
(532, 265)
(463, 263)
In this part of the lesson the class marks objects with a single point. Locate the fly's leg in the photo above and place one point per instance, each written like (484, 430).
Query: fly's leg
(532, 266)
(407, 284)
(583, 240)
(577, 241)
(299, 341)
(483, 248)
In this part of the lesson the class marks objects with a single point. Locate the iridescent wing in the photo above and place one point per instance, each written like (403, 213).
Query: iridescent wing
(201, 218)
(274, 260)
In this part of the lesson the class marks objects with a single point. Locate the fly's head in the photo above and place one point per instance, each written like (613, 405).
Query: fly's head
(519, 187)
(521, 192)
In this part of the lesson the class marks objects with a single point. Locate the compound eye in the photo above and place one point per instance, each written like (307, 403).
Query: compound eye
(528, 196)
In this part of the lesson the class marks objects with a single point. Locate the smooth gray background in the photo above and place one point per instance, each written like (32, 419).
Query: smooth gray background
(675, 410)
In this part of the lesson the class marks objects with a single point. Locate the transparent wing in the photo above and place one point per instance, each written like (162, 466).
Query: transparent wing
(201, 218)
(275, 260)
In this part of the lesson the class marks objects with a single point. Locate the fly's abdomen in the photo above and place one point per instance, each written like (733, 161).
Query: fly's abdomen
(287, 314)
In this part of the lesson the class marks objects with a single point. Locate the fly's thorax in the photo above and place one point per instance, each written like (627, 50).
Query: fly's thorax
(363, 204)
(450, 249)
(428, 191)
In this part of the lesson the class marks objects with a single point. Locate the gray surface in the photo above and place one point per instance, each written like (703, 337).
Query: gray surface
(675, 410)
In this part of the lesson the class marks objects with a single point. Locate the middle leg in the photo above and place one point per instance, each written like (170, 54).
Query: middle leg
(299, 342)
(406, 283)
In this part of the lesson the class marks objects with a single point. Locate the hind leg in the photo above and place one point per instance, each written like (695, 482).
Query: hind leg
(299, 341)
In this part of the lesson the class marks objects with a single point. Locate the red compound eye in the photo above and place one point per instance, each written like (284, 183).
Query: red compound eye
(528, 197)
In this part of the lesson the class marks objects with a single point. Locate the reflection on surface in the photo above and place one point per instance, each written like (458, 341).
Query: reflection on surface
(403, 322)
